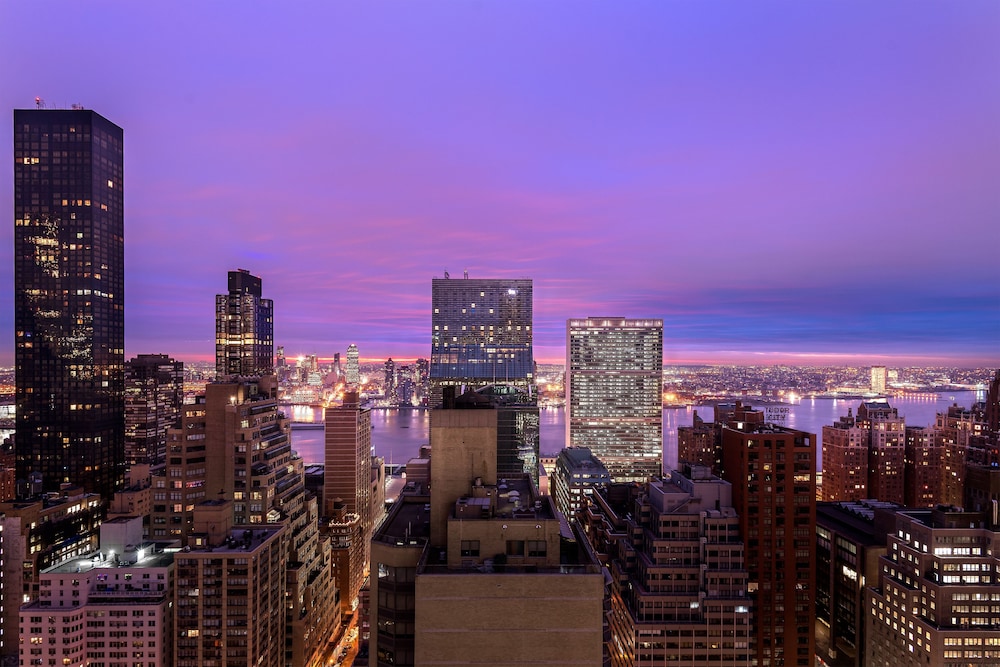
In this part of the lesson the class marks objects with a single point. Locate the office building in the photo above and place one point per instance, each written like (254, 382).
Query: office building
(154, 393)
(576, 476)
(850, 539)
(477, 571)
(113, 606)
(614, 393)
(69, 299)
(936, 600)
(347, 499)
(879, 376)
(676, 562)
(353, 366)
(481, 334)
(244, 328)
(772, 471)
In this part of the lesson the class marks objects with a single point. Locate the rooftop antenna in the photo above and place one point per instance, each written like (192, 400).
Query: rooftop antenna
(466, 274)
(39, 103)
(446, 274)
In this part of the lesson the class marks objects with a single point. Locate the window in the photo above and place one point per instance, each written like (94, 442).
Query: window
(470, 548)
(537, 548)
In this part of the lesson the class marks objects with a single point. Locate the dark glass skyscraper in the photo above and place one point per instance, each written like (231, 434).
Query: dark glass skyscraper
(481, 334)
(244, 328)
(69, 284)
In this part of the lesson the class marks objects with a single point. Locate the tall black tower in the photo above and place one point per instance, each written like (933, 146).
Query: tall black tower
(244, 328)
(69, 296)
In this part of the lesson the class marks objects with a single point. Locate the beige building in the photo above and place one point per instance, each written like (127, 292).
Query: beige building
(34, 536)
(112, 607)
(937, 597)
(478, 572)
(230, 592)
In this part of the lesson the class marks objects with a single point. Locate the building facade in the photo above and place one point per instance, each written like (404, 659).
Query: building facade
(614, 393)
(773, 474)
(154, 393)
(679, 592)
(244, 328)
(69, 298)
(577, 475)
(114, 606)
(477, 571)
(481, 334)
(34, 536)
(347, 499)
(850, 539)
(937, 597)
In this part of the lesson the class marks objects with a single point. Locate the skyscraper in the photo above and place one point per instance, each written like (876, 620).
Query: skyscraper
(154, 393)
(244, 328)
(879, 376)
(772, 470)
(347, 489)
(353, 367)
(69, 301)
(481, 334)
(614, 389)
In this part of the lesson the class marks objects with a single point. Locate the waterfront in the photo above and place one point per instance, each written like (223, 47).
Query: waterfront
(397, 434)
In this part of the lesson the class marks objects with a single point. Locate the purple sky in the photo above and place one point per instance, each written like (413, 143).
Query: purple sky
(780, 182)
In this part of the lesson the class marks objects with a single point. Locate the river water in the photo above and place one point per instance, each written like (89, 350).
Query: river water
(397, 434)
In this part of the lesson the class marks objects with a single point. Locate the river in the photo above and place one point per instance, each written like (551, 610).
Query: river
(397, 434)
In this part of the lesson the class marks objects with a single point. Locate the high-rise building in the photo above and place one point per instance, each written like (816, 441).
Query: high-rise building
(347, 489)
(773, 473)
(34, 536)
(578, 474)
(69, 300)
(476, 571)
(244, 328)
(614, 393)
(231, 593)
(886, 450)
(673, 603)
(481, 334)
(115, 605)
(850, 538)
(922, 467)
(845, 460)
(154, 393)
(935, 600)
(353, 367)
(864, 456)
(700, 443)
(879, 376)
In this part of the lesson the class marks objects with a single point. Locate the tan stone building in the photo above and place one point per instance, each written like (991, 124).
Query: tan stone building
(478, 572)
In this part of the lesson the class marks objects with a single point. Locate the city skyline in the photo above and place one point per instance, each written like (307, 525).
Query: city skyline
(779, 183)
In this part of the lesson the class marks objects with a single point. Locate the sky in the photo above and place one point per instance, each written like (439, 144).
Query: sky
(781, 182)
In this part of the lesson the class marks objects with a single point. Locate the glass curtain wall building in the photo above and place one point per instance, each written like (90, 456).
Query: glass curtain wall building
(481, 334)
(244, 328)
(69, 298)
(614, 389)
